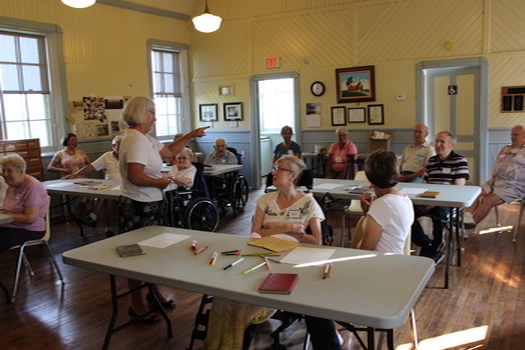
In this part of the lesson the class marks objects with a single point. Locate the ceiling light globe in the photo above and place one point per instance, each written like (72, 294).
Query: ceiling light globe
(79, 4)
(207, 23)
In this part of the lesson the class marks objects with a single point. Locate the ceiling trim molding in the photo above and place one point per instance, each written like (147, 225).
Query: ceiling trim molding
(145, 9)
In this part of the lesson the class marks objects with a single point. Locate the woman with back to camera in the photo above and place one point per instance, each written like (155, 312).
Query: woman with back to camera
(140, 160)
(25, 200)
(390, 214)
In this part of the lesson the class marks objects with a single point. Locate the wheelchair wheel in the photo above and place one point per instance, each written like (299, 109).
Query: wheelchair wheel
(201, 214)
(239, 191)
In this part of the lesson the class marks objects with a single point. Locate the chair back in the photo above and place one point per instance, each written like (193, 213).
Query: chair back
(350, 167)
(199, 182)
(234, 151)
(355, 204)
(357, 237)
(47, 221)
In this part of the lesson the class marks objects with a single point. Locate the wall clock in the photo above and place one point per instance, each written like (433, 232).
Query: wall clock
(317, 88)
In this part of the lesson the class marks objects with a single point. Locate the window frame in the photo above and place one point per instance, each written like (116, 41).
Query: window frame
(56, 76)
(183, 50)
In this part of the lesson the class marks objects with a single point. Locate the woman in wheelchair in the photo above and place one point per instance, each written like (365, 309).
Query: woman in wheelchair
(183, 173)
(285, 214)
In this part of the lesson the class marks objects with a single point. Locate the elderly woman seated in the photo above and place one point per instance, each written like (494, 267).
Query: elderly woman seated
(25, 200)
(183, 173)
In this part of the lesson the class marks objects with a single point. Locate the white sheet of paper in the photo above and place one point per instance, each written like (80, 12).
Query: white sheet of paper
(116, 188)
(301, 255)
(327, 186)
(164, 240)
(60, 184)
(411, 190)
(313, 121)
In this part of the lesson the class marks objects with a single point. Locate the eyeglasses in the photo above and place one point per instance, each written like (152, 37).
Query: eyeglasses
(276, 169)
(182, 158)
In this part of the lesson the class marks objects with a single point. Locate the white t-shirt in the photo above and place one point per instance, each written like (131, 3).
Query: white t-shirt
(395, 215)
(110, 163)
(142, 149)
(188, 172)
(299, 212)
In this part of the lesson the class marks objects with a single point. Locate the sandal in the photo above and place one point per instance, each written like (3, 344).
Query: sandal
(148, 320)
(170, 304)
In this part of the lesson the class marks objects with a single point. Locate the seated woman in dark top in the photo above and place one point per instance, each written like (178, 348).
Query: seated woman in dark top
(25, 200)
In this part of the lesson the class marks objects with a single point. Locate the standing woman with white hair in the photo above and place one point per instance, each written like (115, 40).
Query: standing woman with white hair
(140, 161)
(25, 200)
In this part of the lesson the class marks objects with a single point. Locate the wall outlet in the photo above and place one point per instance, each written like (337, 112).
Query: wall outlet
(401, 96)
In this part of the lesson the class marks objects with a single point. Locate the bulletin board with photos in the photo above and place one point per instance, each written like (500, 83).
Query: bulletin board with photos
(97, 116)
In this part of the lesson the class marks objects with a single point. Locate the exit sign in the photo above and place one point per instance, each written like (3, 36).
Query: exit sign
(272, 62)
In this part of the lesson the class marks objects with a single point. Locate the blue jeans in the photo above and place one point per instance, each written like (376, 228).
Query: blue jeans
(323, 333)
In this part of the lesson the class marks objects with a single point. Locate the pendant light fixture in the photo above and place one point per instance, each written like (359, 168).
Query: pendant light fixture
(207, 22)
(79, 4)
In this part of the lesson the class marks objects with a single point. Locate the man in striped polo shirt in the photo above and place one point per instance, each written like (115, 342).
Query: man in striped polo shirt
(445, 168)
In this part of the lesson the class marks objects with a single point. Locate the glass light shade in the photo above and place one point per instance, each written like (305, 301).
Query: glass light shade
(207, 22)
(79, 4)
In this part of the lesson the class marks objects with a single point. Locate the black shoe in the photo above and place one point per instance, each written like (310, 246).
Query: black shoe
(149, 320)
(469, 225)
(170, 304)
(88, 221)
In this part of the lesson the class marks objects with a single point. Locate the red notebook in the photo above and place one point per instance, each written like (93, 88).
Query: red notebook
(279, 283)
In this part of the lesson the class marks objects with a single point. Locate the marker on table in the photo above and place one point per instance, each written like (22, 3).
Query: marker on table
(330, 270)
(193, 245)
(233, 263)
(227, 254)
(197, 252)
(231, 251)
(326, 269)
(213, 259)
(254, 268)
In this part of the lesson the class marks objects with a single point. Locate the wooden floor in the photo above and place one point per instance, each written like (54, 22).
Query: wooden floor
(483, 309)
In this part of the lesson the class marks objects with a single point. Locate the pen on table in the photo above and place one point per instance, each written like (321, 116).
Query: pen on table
(213, 259)
(233, 263)
(277, 261)
(325, 273)
(226, 254)
(197, 252)
(330, 270)
(254, 268)
(231, 251)
(268, 266)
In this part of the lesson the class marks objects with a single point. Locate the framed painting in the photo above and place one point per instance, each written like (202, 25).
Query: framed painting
(208, 112)
(232, 111)
(356, 84)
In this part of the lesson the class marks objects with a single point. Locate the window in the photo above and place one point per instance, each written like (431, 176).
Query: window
(24, 88)
(168, 67)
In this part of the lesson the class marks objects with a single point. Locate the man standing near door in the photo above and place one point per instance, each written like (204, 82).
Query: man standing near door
(415, 157)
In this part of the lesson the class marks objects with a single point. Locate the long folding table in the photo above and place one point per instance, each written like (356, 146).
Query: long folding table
(455, 197)
(367, 288)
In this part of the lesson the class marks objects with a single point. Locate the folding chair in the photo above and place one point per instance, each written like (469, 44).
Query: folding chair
(353, 209)
(23, 258)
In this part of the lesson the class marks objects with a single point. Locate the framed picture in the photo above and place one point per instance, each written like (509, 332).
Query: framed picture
(338, 116)
(357, 115)
(208, 112)
(355, 84)
(376, 115)
(233, 111)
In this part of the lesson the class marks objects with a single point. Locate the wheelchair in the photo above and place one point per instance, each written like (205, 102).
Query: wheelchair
(193, 209)
(232, 191)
